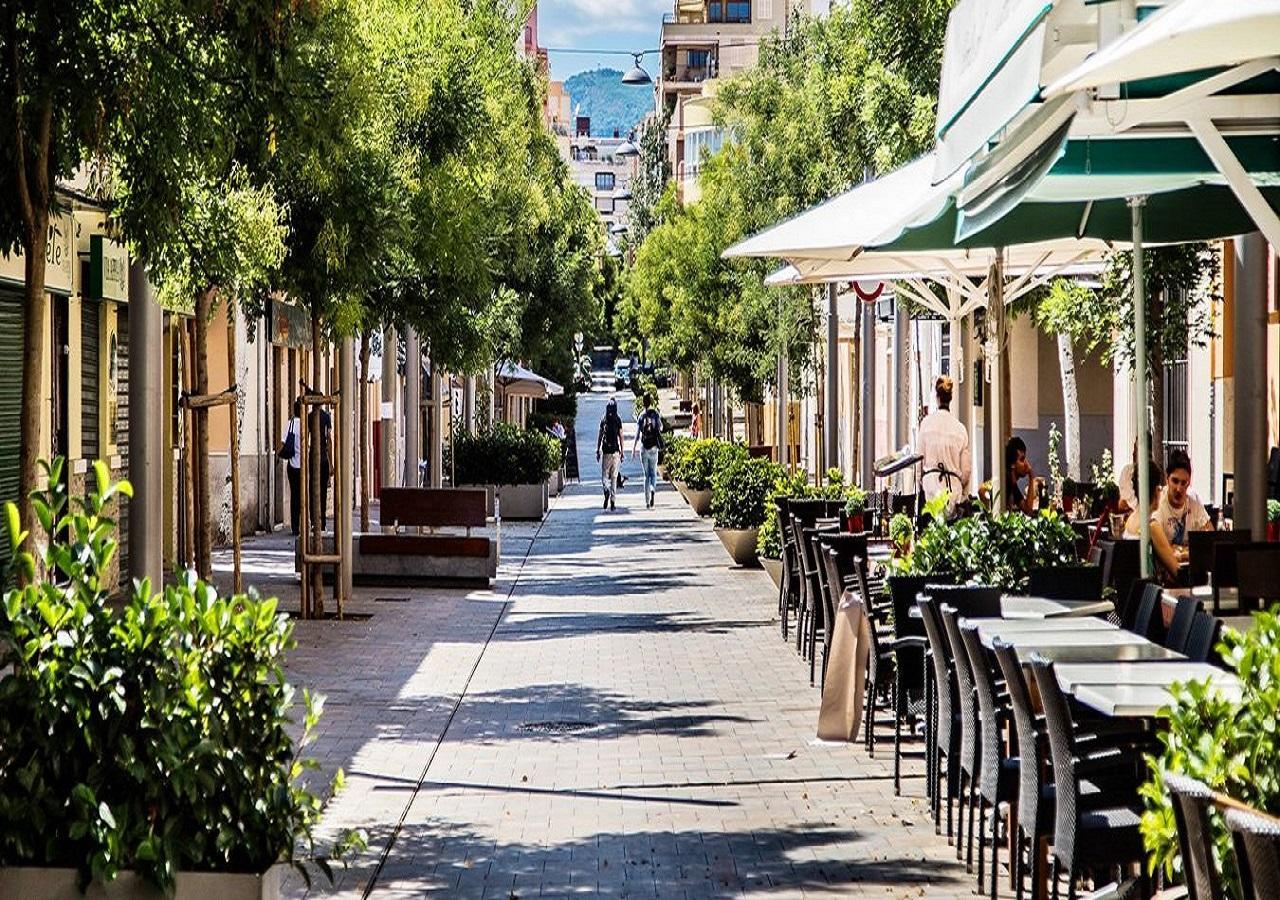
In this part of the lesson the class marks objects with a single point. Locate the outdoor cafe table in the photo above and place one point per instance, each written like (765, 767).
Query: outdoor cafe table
(1005, 629)
(1135, 700)
(1014, 606)
(1083, 645)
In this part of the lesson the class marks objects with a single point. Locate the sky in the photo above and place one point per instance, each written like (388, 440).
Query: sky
(599, 24)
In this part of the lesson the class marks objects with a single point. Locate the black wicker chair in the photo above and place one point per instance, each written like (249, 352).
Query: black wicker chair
(968, 600)
(1191, 802)
(1082, 582)
(944, 717)
(1202, 641)
(1145, 621)
(1104, 832)
(998, 770)
(970, 760)
(1257, 842)
(1184, 613)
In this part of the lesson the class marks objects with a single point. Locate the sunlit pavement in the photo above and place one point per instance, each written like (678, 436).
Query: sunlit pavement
(617, 716)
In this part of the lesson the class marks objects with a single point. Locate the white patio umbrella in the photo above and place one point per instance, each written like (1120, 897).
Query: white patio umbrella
(517, 381)
(1185, 36)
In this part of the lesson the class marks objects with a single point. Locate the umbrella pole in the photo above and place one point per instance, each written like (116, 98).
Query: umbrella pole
(1136, 205)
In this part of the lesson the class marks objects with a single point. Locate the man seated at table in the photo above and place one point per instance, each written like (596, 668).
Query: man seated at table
(1179, 513)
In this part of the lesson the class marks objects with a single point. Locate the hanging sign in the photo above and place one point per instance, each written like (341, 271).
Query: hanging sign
(59, 258)
(108, 269)
(290, 324)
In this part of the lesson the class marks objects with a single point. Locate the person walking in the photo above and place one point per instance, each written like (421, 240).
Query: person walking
(609, 452)
(649, 440)
(291, 453)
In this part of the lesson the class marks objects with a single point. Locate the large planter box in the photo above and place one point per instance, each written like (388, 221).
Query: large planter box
(34, 883)
(555, 484)
(699, 500)
(518, 501)
(682, 488)
(774, 568)
(741, 544)
(522, 501)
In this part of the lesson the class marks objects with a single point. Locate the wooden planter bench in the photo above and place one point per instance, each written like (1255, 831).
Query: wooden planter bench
(410, 557)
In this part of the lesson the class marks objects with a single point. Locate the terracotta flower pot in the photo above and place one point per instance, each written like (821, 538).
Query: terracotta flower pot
(1273, 531)
(856, 523)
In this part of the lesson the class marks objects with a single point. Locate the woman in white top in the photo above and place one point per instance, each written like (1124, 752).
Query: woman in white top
(293, 465)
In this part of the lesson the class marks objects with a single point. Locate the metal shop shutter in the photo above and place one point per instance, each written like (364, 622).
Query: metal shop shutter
(10, 407)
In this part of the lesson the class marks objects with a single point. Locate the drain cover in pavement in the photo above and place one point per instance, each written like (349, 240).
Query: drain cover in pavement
(390, 599)
(563, 727)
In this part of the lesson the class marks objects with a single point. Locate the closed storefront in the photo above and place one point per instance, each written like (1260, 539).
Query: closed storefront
(10, 405)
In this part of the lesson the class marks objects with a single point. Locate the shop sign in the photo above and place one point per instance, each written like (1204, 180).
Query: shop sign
(290, 324)
(59, 256)
(108, 269)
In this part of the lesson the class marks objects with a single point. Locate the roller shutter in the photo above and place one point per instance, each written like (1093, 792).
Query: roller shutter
(10, 408)
(89, 349)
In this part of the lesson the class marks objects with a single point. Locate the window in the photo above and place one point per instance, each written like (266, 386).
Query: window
(729, 11)
(604, 205)
(698, 59)
(604, 181)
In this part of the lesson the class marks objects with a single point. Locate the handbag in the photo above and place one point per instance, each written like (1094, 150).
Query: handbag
(287, 449)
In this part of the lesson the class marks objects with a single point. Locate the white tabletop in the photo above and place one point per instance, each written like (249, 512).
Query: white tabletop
(1096, 652)
(1159, 674)
(1126, 700)
(1062, 637)
(1007, 628)
(1015, 607)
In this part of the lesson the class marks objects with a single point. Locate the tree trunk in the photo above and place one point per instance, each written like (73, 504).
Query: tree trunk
(362, 422)
(35, 304)
(200, 434)
(1070, 405)
(233, 415)
(316, 517)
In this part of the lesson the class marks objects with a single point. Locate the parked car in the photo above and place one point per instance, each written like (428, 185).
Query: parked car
(622, 374)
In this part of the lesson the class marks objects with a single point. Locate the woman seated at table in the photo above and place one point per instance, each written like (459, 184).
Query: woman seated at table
(1179, 513)
(1155, 477)
(1016, 467)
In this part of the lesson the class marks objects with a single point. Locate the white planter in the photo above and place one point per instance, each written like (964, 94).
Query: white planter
(523, 501)
(774, 568)
(35, 883)
(699, 500)
(741, 544)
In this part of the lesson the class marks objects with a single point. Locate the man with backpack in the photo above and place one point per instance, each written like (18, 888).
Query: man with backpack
(649, 439)
(609, 452)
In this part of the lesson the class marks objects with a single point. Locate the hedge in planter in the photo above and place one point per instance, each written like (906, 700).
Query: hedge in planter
(154, 737)
(741, 490)
(701, 459)
(504, 454)
(993, 548)
(796, 485)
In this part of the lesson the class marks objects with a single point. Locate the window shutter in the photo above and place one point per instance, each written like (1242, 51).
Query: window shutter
(765, 10)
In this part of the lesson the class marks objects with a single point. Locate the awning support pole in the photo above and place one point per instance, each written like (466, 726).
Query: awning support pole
(995, 346)
(1136, 206)
(1241, 184)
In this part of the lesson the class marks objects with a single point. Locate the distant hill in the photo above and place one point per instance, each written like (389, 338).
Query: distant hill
(611, 104)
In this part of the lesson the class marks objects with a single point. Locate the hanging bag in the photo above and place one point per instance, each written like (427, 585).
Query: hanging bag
(288, 448)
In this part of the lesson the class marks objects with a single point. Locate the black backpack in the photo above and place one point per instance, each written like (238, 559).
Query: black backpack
(650, 430)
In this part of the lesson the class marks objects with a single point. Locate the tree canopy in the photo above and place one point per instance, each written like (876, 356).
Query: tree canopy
(832, 101)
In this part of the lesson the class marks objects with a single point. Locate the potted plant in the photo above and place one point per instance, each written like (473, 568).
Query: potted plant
(901, 534)
(855, 506)
(740, 503)
(701, 460)
(512, 465)
(156, 739)
(1069, 492)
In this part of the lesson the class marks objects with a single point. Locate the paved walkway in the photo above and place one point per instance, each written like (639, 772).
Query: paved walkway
(618, 716)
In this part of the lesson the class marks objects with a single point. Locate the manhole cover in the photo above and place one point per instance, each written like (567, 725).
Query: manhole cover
(390, 599)
(563, 727)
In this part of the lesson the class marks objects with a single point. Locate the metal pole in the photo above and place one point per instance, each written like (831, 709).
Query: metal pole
(784, 447)
(436, 411)
(831, 416)
(146, 429)
(1250, 466)
(343, 470)
(1143, 426)
(868, 404)
(995, 346)
(412, 407)
(899, 386)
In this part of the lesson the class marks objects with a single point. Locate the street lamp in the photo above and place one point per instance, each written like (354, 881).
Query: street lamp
(637, 75)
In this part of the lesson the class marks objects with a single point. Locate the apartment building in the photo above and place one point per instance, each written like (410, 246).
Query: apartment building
(596, 164)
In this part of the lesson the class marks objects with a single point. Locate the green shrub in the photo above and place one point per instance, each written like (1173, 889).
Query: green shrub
(672, 455)
(901, 532)
(741, 492)
(1273, 510)
(1000, 548)
(855, 500)
(795, 484)
(701, 459)
(504, 454)
(154, 737)
(1230, 745)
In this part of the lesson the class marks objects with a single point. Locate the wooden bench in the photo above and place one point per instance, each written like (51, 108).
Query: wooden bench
(413, 557)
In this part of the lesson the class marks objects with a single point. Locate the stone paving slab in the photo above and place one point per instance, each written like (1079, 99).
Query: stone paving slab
(617, 716)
